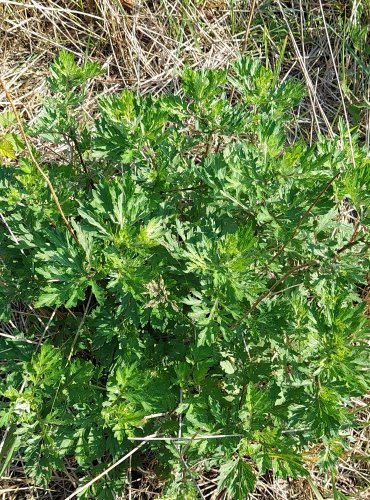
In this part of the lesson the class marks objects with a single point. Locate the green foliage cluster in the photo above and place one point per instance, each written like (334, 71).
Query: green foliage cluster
(210, 286)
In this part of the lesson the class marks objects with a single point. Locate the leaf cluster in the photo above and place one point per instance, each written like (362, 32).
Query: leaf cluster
(211, 284)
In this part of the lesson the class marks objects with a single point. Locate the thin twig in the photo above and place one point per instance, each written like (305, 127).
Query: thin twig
(349, 245)
(285, 289)
(82, 161)
(269, 290)
(191, 188)
(304, 216)
(36, 163)
(79, 328)
(185, 438)
(105, 472)
(247, 31)
(178, 449)
(267, 293)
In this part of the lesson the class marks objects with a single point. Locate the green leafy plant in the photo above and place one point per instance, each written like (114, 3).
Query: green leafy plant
(197, 278)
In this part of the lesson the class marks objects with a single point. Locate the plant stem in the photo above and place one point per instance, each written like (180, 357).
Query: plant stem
(36, 163)
(272, 288)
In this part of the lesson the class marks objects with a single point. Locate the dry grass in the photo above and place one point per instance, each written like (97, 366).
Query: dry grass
(145, 44)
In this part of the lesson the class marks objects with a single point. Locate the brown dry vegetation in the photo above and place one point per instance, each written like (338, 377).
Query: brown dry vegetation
(145, 44)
